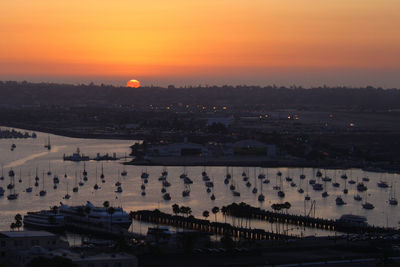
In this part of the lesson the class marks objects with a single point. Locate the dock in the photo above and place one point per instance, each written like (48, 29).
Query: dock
(244, 210)
(191, 223)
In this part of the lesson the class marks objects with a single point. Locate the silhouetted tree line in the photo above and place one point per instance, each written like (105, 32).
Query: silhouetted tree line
(24, 93)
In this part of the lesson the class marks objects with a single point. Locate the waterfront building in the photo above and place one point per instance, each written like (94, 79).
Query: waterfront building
(13, 241)
(18, 248)
(254, 147)
(178, 149)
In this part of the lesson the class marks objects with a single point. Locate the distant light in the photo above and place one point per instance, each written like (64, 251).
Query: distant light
(133, 84)
(351, 124)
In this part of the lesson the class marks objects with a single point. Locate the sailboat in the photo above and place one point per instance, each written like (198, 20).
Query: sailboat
(81, 183)
(186, 191)
(118, 184)
(367, 205)
(20, 176)
(11, 185)
(335, 184)
(49, 172)
(345, 190)
(36, 178)
(204, 172)
(232, 186)
(67, 196)
(307, 197)
(2, 172)
(95, 187)
(29, 188)
(261, 197)
(145, 175)
(302, 175)
(254, 191)
(281, 194)
(339, 201)
(266, 180)
(42, 192)
(48, 145)
(102, 172)
(325, 193)
(165, 172)
(235, 192)
(124, 172)
(212, 197)
(228, 175)
(392, 197)
(84, 170)
(76, 188)
(12, 195)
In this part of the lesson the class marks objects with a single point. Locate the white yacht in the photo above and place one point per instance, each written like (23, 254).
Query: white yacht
(95, 215)
(44, 219)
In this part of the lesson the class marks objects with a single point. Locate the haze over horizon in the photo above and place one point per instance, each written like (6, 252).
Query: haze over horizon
(306, 43)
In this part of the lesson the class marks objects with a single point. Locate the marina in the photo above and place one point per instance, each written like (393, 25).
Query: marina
(200, 187)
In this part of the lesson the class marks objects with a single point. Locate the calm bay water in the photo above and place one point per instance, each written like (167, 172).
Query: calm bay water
(31, 154)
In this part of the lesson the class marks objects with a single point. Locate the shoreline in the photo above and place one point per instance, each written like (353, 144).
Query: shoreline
(263, 162)
(377, 167)
(71, 134)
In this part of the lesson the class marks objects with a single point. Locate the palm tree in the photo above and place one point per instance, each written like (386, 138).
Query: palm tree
(224, 211)
(54, 209)
(18, 224)
(131, 216)
(183, 210)
(215, 210)
(206, 213)
(18, 221)
(106, 204)
(175, 209)
(111, 211)
(18, 217)
(188, 210)
(12, 226)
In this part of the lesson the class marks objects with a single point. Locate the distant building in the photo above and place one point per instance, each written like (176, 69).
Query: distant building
(178, 149)
(14, 241)
(132, 126)
(226, 121)
(21, 258)
(254, 147)
(18, 248)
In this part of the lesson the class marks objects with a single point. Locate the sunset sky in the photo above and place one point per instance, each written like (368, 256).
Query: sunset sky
(304, 42)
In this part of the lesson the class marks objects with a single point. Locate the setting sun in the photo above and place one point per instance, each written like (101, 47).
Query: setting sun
(133, 84)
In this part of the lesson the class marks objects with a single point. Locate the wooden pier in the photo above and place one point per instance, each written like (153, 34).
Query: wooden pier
(191, 223)
(244, 210)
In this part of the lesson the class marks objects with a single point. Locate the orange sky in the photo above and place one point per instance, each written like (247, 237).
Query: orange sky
(236, 40)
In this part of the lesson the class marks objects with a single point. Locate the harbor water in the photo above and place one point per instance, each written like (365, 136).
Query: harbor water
(30, 155)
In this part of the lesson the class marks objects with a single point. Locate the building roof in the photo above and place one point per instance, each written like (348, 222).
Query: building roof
(249, 143)
(180, 145)
(19, 234)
